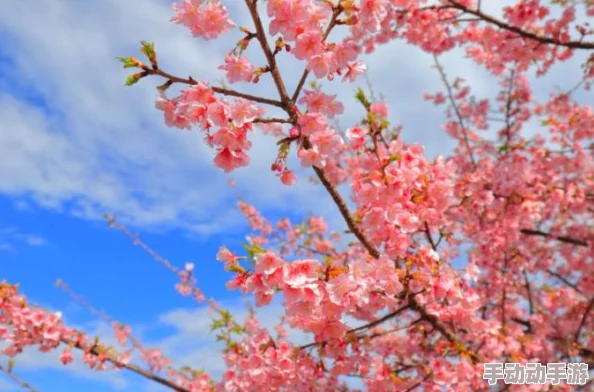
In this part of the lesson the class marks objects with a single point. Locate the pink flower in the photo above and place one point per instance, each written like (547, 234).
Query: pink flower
(333, 330)
(308, 45)
(312, 122)
(244, 111)
(238, 69)
(226, 256)
(122, 332)
(301, 272)
(267, 263)
(218, 113)
(168, 108)
(66, 356)
(379, 109)
(310, 157)
(345, 52)
(356, 136)
(207, 20)
(225, 138)
(354, 70)
(317, 101)
(51, 334)
(230, 160)
(322, 64)
(288, 177)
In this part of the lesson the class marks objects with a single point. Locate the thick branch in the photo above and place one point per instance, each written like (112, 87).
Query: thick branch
(434, 321)
(286, 104)
(344, 211)
(261, 35)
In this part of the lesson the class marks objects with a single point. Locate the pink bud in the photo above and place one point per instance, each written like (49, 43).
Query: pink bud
(276, 167)
(288, 177)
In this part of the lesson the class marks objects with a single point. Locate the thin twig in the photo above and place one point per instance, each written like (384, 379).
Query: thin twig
(335, 13)
(220, 90)
(23, 384)
(583, 320)
(562, 238)
(456, 109)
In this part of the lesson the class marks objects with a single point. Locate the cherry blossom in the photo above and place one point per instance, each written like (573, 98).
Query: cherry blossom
(447, 262)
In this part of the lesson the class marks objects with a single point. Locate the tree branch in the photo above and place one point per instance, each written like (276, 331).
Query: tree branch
(220, 90)
(133, 368)
(456, 109)
(584, 319)
(261, 36)
(366, 326)
(23, 384)
(561, 238)
(335, 13)
(344, 211)
(521, 32)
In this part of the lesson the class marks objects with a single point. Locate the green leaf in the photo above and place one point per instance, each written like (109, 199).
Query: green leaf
(236, 329)
(216, 324)
(395, 157)
(284, 148)
(134, 78)
(360, 96)
(148, 49)
(253, 250)
(128, 62)
(226, 316)
(504, 147)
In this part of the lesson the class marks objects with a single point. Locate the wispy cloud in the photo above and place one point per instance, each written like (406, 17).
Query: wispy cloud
(77, 140)
(11, 239)
(192, 343)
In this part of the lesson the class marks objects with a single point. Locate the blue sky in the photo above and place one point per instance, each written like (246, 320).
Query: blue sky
(75, 143)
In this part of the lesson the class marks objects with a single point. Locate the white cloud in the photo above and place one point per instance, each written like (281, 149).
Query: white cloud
(96, 146)
(12, 238)
(193, 344)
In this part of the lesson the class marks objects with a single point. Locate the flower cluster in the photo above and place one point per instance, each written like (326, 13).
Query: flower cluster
(447, 263)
